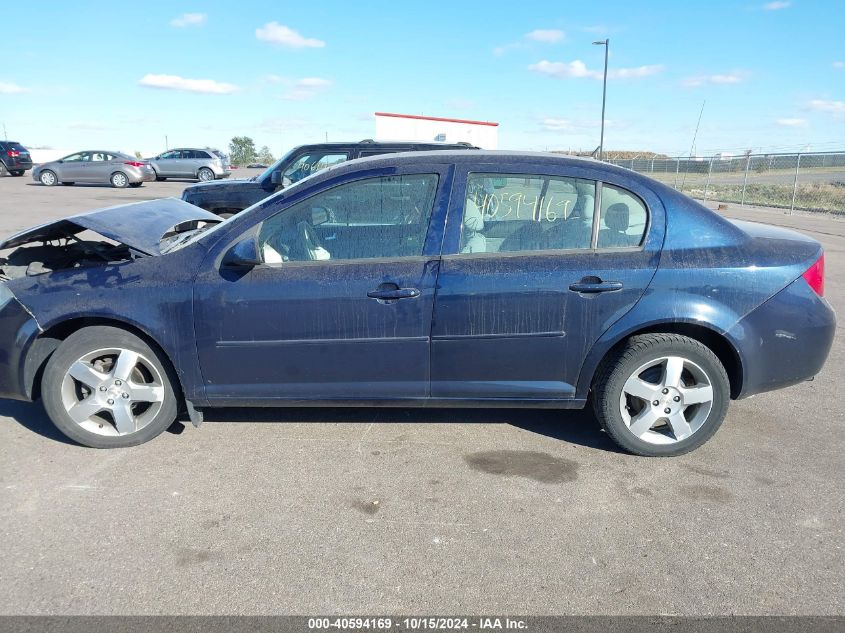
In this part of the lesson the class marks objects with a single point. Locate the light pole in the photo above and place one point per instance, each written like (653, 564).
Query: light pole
(606, 44)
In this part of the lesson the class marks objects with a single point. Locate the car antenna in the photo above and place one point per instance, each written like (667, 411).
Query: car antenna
(692, 147)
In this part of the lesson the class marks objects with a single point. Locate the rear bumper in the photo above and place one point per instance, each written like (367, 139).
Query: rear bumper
(141, 175)
(784, 341)
(15, 165)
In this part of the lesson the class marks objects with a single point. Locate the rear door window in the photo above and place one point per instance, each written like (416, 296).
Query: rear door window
(623, 218)
(521, 212)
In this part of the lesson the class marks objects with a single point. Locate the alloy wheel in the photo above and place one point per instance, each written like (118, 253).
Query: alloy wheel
(666, 400)
(112, 391)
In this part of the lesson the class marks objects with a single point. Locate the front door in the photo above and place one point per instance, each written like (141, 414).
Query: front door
(530, 278)
(73, 167)
(340, 307)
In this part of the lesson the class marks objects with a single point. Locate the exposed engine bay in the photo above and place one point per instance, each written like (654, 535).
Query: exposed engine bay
(108, 236)
(70, 252)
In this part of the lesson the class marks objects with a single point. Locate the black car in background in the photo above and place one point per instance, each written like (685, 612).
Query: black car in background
(228, 198)
(15, 157)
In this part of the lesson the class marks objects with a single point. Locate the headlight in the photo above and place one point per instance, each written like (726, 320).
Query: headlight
(6, 295)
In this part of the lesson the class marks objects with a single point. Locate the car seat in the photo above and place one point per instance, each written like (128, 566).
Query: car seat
(616, 218)
(472, 239)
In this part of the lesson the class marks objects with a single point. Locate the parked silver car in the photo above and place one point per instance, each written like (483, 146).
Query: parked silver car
(95, 166)
(202, 164)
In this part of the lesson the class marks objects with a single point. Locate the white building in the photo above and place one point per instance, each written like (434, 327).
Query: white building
(412, 127)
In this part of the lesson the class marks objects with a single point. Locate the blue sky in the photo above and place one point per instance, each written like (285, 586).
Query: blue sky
(124, 75)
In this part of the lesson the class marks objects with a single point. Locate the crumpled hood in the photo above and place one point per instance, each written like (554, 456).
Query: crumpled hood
(139, 225)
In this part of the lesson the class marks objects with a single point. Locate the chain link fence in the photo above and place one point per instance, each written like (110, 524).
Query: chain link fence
(804, 181)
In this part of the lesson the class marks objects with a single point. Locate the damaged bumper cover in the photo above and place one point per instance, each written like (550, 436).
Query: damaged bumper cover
(18, 331)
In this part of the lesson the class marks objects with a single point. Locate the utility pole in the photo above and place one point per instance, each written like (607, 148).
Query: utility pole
(606, 44)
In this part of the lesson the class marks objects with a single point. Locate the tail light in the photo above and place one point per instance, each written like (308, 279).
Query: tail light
(134, 163)
(814, 276)
(13, 153)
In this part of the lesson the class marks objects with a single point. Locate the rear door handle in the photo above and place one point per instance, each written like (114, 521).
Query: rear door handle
(387, 294)
(595, 286)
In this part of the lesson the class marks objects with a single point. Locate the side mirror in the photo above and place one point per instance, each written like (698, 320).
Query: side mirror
(277, 178)
(244, 254)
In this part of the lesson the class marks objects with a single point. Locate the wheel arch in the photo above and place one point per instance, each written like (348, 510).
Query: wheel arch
(49, 340)
(714, 340)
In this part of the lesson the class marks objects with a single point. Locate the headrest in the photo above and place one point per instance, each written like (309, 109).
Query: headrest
(473, 218)
(616, 217)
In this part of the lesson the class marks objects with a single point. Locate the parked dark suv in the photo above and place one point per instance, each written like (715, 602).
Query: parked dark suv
(15, 157)
(228, 198)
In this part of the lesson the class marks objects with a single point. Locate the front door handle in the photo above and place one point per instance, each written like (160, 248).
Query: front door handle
(388, 294)
(593, 285)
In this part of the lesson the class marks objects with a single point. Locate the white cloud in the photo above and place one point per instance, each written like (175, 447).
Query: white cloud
(792, 122)
(189, 19)
(824, 105)
(282, 35)
(8, 88)
(718, 79)
(838, 64)
(556, 125)
(578, 69)
(776, 6)
(174, 82)
(306, 88)
(273, 79)
(549, 36)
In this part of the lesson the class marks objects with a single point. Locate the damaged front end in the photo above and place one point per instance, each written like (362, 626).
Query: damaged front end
(134, 230)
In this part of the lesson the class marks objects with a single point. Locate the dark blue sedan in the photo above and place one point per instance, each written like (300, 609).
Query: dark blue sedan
(458, 279)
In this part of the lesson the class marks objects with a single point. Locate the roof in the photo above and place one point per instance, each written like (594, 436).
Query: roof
(436, 118)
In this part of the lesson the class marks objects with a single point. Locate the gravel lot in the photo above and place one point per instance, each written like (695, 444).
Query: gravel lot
(409, 511)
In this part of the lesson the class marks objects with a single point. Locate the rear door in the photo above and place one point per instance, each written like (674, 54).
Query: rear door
(531, 276)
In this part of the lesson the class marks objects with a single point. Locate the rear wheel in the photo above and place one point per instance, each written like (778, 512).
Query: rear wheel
(106, 388)
(119, 180)
(48, 178)
(661, 395)
(17, 173)
(205, 174)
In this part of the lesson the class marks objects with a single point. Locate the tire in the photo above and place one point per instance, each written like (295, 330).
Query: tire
(225, 214)
(646, 410)
(135, 185)
(160, 178)
(148, 410)
(205, 174)
(48, 178)
(119, 180)
(17, 173)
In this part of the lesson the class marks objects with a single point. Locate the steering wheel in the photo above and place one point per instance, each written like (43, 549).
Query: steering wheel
(309, 241)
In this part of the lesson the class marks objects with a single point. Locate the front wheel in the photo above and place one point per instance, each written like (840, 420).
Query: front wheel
(106, 388)
(48, 178)
(661, 395)
(205, 175)
(119, 180)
